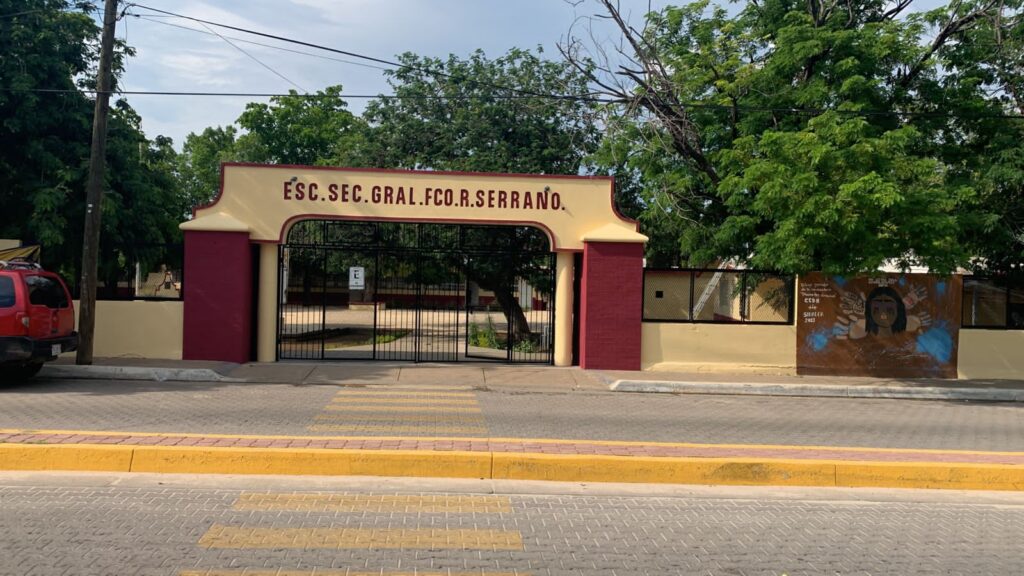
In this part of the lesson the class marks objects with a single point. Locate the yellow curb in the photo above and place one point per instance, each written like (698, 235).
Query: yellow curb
(512, 466)
(654, 470)
(72, 457)
(311, 461)
(946, 476)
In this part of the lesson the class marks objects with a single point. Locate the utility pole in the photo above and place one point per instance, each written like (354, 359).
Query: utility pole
(94, 189)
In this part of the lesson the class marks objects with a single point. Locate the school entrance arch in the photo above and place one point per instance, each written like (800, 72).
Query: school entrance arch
(422, 292)
(238, 249)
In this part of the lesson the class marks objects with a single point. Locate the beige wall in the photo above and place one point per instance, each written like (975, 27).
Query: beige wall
(6, 243)
(746, 348)
(991, 354)
(138, 329)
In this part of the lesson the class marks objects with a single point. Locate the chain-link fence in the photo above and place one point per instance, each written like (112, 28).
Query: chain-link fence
(717, 295)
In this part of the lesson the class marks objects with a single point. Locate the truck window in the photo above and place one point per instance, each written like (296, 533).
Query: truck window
(46, 291)
(6, 292)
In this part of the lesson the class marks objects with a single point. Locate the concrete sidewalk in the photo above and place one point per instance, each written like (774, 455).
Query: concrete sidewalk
(494, 375)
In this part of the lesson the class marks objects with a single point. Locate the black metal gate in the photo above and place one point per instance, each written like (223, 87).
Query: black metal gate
(417, 292)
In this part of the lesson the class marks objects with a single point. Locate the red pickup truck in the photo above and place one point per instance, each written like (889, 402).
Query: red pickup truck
(37, 319)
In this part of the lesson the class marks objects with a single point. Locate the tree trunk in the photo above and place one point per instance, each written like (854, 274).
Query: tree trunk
(513, 313)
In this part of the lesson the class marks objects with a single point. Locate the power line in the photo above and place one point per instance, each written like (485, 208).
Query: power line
(257, 60)
(352, 54)
(591, 99)
(236, 39)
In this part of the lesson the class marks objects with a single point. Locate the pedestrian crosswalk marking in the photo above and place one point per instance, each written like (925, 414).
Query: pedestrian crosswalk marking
(390, 408)
(464, 419)
(317, 572)
(397, 428)
(379, 400)
(431, 504)
(236, 537)
(402, 411)
(402, 393)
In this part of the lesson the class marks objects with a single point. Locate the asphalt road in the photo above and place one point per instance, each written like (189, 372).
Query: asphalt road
(55, 524)
(528, 410)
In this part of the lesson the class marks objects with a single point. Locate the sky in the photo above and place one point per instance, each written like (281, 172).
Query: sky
(169, 58)
(173, 59)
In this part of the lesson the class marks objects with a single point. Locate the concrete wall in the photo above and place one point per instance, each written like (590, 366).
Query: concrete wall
(991, 354)
(7, 243)
(138, 329)
(751, 348)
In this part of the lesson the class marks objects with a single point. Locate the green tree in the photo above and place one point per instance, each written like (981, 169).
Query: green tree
(758, 137)
(300, 129)
(199, 163)
(486, 115)
(45, 138)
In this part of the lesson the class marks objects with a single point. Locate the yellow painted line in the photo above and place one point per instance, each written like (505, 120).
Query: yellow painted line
(525, 440)
(320, 572)
(311, 461)
(398, 428)
(466, 419)
(434, 504)
(399, 394)
(390, 408)
(340, 400)
(412, 387)
(72, 457)
(238, 537)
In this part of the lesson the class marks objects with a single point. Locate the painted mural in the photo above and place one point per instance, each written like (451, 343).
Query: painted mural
(893, 325)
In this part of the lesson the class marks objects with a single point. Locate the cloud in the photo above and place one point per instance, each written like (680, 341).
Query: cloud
(193, 68)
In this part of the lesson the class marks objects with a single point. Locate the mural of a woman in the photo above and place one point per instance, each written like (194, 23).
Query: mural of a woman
(885, 313)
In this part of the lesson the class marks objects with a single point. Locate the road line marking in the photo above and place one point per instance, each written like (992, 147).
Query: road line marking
(389, 408)
(389, 401)
(238, 537)
(397, 394)
(437, 504)
(318, 572)
(398, 428)
(466, 419)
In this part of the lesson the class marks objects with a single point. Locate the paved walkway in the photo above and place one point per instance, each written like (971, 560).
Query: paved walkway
(508, 445)
(496, 421)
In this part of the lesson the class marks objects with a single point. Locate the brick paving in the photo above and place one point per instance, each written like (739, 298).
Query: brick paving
(58, 528)
(521, 446)
(530, 404)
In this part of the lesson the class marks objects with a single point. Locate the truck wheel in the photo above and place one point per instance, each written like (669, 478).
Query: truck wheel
(14, 374)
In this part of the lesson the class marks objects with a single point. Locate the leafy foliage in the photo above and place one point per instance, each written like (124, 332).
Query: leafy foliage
(45, 139)
(757, 135)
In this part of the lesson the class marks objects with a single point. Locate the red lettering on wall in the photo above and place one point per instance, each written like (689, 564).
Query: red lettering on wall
(513, 201)
(356, 197)
(463, 197)
(502, 199)
(479, 198)
(542, 200)
(288, 190)
(333, 192)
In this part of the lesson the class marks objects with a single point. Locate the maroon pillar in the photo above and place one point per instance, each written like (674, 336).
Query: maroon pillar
(610, 305)
(218, 296)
